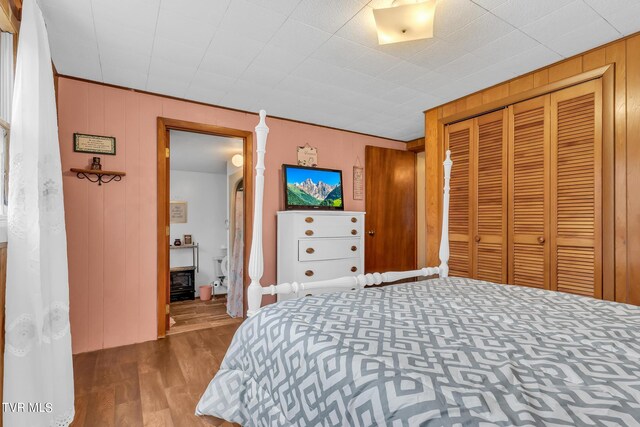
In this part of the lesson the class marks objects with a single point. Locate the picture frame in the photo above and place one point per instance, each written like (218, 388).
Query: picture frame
(188, 239)
(94, 144)
(307, 156)
(358, 183)
(177, 212)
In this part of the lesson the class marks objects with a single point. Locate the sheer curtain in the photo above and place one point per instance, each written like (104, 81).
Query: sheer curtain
(38, 366)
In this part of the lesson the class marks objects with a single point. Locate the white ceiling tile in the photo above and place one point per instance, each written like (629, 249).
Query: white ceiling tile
(75, 57)
(399, 95)
(454, 90)
(327, 15)
(225, 65)
(262, 75)
(622, 14)
(406, 50)
(438, 53)
(118, 58)
(338, 51)
(373, 62)
(211, 82)
(278, 59)
(299, 38)
(231, 44)
(184, 30)
(505, 47)
(282, 6)
(451, 15)
(163, 70)
(489, 4)
(531, 59)
(463, 66)
(66, 14)
(252, 21)
(488, 77)
(211, 12)
(479, 32)
(161, 83)
(583, 38)
(361, 29)
(172, 50)
(124, 77)
(522, 12)
(561, 21)
(403, 72)
(429, 81)
(139, 14)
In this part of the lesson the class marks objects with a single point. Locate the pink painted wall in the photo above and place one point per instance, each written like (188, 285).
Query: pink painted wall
(111, 230)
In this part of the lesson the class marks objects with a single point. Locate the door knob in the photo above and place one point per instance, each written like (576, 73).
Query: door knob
(541, 240)
(477, 239)
(371, 233)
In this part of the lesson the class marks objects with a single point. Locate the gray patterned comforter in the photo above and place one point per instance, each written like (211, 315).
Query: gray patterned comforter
(437, 352)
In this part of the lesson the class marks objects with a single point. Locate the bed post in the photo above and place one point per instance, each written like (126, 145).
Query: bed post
(256, 264)
(443, 269)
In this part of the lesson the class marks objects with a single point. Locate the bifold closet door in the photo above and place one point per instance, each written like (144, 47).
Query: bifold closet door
(458, 139)
(490, 197)
(576, 181)
(529, 173)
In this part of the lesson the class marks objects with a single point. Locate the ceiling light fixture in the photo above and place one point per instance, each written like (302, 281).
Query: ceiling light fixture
(405, 20)
(237, 160)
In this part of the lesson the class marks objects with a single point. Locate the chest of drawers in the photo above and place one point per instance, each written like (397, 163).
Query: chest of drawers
(319, 245)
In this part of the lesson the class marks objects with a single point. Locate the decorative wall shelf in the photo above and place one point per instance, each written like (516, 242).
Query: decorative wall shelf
(98, 175)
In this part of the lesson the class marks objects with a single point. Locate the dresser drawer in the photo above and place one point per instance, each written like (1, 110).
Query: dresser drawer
(328, 248)
(312, 271)
(328, 226)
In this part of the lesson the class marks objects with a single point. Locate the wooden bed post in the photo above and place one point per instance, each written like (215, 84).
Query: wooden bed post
(443, 269)
(256, 264)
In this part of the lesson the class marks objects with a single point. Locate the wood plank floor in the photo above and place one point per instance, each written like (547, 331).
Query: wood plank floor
(196, 314)
(156, 383)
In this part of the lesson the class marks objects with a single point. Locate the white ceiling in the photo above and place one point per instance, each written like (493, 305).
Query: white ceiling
(318, 60)
(196, 152)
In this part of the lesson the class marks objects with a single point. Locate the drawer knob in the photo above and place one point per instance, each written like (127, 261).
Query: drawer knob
(308, 219)
(354, 269)
(309, 232)
(354, 232)
(308, 273)
(354, 248)
(310, 250)
(354, 219)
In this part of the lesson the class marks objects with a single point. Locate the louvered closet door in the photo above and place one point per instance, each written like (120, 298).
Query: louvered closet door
(529, 160)
(490, 196)
(576, 169)
(458, 139)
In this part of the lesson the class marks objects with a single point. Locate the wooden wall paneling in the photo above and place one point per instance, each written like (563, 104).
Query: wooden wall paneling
(529, 151)
(432, 148)
(594, 59)
(608, 219)
(565, 69)
(521, 84)
(494, 93)
(541, 78)
(489, 197)
(459, 139)
(576, 169)
(633, 168)
(616, 54)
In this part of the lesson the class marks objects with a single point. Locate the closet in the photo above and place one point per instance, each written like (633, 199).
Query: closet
(526, 202)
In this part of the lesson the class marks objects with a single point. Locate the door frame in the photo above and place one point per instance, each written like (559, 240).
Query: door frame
(163, 153)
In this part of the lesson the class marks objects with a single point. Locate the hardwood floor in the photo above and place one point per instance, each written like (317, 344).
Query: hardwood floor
(156, 383)
(196, 314)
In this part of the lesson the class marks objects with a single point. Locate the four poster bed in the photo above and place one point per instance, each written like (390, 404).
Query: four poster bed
(444, 351)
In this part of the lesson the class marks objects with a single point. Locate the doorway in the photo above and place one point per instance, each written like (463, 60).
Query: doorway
(204, 224)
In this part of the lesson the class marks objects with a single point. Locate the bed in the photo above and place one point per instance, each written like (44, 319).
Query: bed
(442, 351)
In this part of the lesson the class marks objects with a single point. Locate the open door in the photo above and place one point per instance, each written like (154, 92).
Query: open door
(390, 222)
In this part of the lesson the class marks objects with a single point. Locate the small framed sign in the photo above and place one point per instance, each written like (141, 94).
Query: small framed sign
(94, 144)
(178, 212)
(358, 183)
(307, 156)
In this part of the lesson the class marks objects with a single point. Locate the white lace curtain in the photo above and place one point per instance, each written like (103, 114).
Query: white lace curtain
(38, 366)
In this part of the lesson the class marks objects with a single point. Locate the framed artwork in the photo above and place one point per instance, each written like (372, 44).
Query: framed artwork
(178, 212)
(307, 156)
(188, 240)
(358, 183)
(94, 144)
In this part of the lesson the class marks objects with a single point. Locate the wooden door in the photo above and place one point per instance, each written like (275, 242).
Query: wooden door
(458, 139)
(529, 149)
(490, 198)
(390, 222)
(576, 181)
